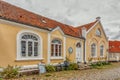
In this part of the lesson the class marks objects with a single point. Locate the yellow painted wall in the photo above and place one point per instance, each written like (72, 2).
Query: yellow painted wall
(57, 34)
(71, 42)
(92, 38)
(8, 45)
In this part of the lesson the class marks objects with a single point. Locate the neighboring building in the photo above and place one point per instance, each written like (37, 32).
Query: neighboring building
(28, 39)
(114, 50)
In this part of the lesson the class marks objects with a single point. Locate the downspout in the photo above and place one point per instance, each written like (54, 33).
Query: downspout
(84, 48)
(84, 55)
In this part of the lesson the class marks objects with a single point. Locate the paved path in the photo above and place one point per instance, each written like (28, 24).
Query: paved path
(106, 74)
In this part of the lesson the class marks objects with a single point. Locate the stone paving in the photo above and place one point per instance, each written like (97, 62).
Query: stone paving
(110, 74)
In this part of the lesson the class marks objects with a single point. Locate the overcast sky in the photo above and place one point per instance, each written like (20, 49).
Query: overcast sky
(77, 12)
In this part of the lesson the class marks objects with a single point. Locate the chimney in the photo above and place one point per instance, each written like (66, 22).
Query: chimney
(98, 18)
(84, 32)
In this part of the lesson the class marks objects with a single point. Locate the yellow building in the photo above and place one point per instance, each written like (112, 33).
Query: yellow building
(28, 39)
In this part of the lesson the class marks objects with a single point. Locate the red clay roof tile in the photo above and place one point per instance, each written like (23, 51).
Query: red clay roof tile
(114, 46)
(19, 15)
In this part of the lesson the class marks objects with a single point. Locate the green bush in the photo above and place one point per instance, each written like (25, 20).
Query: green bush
(73, 66)
(99, 64)
(50, 68)
(10, 72)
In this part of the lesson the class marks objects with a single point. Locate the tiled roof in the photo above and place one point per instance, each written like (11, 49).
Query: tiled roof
(19, 15)
(87, 26)
(114, 46)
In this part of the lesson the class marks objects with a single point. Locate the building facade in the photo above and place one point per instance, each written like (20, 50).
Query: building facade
(28, 39)
(114, 50)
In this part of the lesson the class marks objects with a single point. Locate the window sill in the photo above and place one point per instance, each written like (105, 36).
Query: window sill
(56, 58)
(29, 59)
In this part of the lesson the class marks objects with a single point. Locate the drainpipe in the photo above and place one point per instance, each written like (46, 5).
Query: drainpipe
(84, 38)
(84, 55)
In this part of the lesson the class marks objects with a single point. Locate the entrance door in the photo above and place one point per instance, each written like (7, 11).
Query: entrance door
(78, 52)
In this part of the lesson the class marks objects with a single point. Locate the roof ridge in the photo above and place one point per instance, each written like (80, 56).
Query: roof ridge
(19, 15)
(87, 24)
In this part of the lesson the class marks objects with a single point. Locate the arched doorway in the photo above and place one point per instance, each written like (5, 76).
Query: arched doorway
(78, 52)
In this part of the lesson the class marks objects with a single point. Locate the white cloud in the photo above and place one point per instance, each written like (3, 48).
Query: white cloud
(77, 12)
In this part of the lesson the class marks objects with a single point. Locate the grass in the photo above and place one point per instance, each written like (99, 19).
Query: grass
(66, 75)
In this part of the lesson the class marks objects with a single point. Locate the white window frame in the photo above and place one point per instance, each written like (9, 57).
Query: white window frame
(18, 56)
(56, 57)
(95, 50)
(103, 50)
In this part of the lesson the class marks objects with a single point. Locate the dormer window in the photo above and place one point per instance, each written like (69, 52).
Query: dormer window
(43, 20)
(98, 32)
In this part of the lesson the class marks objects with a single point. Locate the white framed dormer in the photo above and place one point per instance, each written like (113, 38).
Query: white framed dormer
(29, 46)
(93, 50)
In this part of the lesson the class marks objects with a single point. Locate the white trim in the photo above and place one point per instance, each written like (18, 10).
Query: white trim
(18, 57)
(92, 26)
(56, 57)
(21, 25)
(64, 44)
(49, 48)
(58, 28)
(27, 59)
(103, 30)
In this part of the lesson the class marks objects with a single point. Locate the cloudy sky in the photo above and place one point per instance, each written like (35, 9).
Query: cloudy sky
(78, 12)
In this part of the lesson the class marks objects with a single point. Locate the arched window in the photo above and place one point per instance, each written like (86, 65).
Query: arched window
(28, 46)
(101, 50)
(56, 48)
(98, 32)
(93, 50)
(78, 45)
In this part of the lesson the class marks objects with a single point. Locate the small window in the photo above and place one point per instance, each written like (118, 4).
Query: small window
(93, 50)
(78, 45)
(98, 33)
(101, 50)
(56, 48)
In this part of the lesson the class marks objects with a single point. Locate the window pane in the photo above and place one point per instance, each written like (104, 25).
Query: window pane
(93, 50)
(29, 48)
(34, 38)
(23, 48)
(59, 50)
(35, 48)
(56, 50)
(98, 32)
(52, 50)
(101, 50)
(78, 45)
